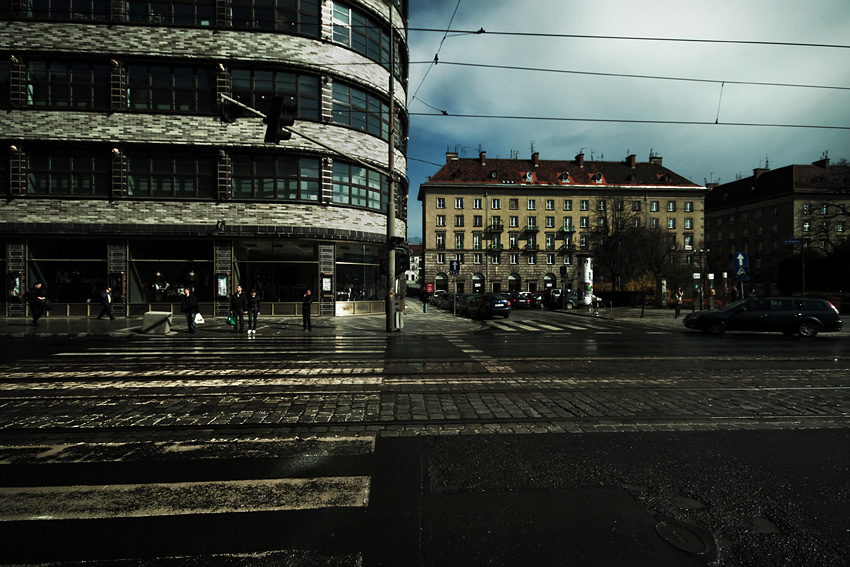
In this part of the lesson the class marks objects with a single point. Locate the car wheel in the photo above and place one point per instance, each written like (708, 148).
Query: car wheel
(716, 327)
(569, 305)
(808, 329)
(506, 315)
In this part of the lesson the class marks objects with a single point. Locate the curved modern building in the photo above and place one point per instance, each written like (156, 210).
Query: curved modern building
(123, 165)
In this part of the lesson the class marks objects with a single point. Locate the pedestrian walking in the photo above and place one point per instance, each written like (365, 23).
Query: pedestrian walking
(238, 309)
(752, 294)
(678, 296)
(38, 302)
(189, 306)
(253, 302)
(106, 301)
(306, 307)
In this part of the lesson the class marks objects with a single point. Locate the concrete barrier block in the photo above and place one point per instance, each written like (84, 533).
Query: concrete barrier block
(156, 322)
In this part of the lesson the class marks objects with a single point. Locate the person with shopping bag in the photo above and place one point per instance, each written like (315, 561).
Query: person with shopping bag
(189, 306)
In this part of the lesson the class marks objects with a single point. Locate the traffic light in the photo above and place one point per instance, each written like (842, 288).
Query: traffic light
(282, 114)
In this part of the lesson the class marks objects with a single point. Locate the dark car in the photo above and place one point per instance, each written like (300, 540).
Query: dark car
(462, 303)
(520, 300)
(488, 305)
(788, 315)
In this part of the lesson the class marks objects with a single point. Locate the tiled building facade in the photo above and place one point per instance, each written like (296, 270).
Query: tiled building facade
(519, 225)
(771, 214)
(120, 165)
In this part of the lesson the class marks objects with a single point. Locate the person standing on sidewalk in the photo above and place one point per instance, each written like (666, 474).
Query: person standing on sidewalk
(306, 307)
(253, 302)
(106, 301)
(678, 296)
(189, 306)
(238, 308)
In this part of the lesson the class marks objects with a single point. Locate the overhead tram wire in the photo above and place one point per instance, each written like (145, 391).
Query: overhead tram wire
(482, 31)
(626, 121)
(436, 55)
(631, 76)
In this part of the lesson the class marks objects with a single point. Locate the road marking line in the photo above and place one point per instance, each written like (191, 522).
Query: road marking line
(170, 499)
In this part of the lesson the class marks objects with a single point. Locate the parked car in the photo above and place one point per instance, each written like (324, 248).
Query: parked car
(789, 315)
(564, 299)
(489, 305)
(462, 303)
(520, 300)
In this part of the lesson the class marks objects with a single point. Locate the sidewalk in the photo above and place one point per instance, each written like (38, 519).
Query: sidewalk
(434, 322)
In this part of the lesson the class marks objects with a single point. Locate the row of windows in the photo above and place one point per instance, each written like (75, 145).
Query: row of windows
(87, 172)
(531, 242)
(838, 226)
(584, 222)
(187, 89)
(584, 204)
(531, 259)
(351, 27)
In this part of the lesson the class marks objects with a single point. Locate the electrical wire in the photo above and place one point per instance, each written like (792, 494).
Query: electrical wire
(436, 55)
(635, 38)
(626, 121)
(629, 75)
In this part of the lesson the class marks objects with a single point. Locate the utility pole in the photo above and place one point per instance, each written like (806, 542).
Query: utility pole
(390, 305)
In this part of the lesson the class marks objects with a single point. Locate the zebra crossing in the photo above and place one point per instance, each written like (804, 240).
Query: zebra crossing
(551, 325)
(104, 501)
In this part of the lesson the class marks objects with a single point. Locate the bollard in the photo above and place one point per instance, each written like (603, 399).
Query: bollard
(424, 308)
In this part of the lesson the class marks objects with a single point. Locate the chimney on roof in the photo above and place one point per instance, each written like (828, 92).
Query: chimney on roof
(451, 156)
(757, 172)
(535, 159)
(580, 160)
(631, 161)
(824, 163)
(483, 157)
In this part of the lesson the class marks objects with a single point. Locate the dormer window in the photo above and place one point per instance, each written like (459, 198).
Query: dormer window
(529, 177)
(565, 177)
(597, 178)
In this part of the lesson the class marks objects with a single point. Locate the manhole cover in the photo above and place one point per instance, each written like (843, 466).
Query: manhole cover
(683, 537)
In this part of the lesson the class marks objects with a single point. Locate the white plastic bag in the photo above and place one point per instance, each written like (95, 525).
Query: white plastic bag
(199, 319)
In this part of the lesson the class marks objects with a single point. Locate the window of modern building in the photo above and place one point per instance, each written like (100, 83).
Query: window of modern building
(97, 10)
(170, 88)
(64, 84)
(167, 174)
(64, 171)
(279, 177)
(288, 16)
(183, 12)
(159, 269)
(353, 185)
(361, 33)
(257, 87)
(361, 110)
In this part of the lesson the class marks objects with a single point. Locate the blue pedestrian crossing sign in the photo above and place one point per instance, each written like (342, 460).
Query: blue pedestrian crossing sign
(454, 267)
(741, 262)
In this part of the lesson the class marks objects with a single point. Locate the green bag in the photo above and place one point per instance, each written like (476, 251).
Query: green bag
(231, 320)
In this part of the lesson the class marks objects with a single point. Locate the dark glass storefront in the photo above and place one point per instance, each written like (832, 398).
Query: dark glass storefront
(161, 269)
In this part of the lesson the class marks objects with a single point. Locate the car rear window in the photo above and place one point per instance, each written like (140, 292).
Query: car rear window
(813, 305)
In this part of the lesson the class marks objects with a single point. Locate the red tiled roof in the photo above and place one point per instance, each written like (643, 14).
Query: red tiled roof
(550, 172)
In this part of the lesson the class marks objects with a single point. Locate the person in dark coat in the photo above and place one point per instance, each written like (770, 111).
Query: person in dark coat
(253, 302)
(189, 306)
(238, 308)
(36, 298)
(306, 307)
(106, 301)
